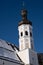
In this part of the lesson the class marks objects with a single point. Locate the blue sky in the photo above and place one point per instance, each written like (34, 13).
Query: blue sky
(10, 17)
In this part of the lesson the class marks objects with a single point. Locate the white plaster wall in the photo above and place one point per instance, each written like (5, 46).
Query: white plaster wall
(33, 57)
(23, 28)
(22, 40)
(24, 55)
(28, 56)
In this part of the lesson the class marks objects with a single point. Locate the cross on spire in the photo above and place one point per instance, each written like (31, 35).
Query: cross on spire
(23, 4)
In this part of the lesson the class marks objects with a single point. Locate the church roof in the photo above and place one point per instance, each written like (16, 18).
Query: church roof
(6, 45)
(8, 50)
(10, 60)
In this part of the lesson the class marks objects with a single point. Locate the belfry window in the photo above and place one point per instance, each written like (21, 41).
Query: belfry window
(31, 45)
(26, 33)
(21, 33)
(30, 34)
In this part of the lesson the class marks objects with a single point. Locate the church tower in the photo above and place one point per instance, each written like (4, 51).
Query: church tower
(26, 44)
(25, 32)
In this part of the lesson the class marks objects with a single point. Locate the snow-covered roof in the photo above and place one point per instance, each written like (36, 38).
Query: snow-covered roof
(8, 50)
(6, 45)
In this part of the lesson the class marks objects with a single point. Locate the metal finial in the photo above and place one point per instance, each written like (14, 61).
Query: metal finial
(23, 4)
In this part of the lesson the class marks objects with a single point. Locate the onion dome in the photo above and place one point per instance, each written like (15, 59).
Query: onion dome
(24, 18)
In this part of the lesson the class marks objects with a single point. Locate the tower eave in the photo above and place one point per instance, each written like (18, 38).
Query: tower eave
(25, 22)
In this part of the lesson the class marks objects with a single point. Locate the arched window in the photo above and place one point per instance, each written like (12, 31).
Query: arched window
(31, 45)
(26, 33)
(30, 34)
(21, 33)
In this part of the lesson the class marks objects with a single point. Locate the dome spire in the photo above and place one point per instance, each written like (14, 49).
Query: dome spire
(24, 16)
(23, 11)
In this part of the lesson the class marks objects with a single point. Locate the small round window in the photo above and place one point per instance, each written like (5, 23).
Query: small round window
(26, 33)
